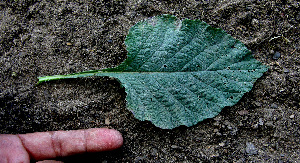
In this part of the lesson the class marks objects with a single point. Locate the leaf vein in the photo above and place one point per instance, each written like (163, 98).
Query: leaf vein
(165, 32)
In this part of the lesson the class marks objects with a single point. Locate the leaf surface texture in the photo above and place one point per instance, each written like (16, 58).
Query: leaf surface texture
(180, 72)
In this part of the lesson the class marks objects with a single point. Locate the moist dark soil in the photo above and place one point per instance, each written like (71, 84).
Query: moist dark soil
(39, 38)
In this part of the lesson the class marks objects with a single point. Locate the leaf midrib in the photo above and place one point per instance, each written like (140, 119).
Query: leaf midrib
(105, 73)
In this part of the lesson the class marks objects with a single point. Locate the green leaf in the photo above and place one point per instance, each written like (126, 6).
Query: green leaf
(180, 72)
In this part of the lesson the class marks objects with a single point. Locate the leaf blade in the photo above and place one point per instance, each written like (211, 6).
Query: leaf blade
(180, 72)
(188, 49)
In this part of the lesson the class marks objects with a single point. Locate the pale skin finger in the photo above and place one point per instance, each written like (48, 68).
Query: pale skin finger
(49, 145)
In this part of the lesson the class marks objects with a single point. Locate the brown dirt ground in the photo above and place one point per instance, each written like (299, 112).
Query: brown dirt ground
(39, 38)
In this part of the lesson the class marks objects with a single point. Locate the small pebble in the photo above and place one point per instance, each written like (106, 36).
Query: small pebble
(78, 44)
(140, 159)
(255, 126)
(13, 74)
(174, 146)
(274, 106)
(257, 103)
(254, 22)
(218, 118)
(250, 149)
(69, 44)
(221, 144)
(286, 70)
(292, 116)
(261, 121)
(276, 56)
(243, 112)
(107, 122)
(154, 152)
(218, 134)
(216, 123)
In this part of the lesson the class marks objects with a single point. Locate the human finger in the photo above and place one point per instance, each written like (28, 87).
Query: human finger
(48, 145)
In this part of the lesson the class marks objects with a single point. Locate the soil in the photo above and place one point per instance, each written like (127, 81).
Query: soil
(39, 38)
